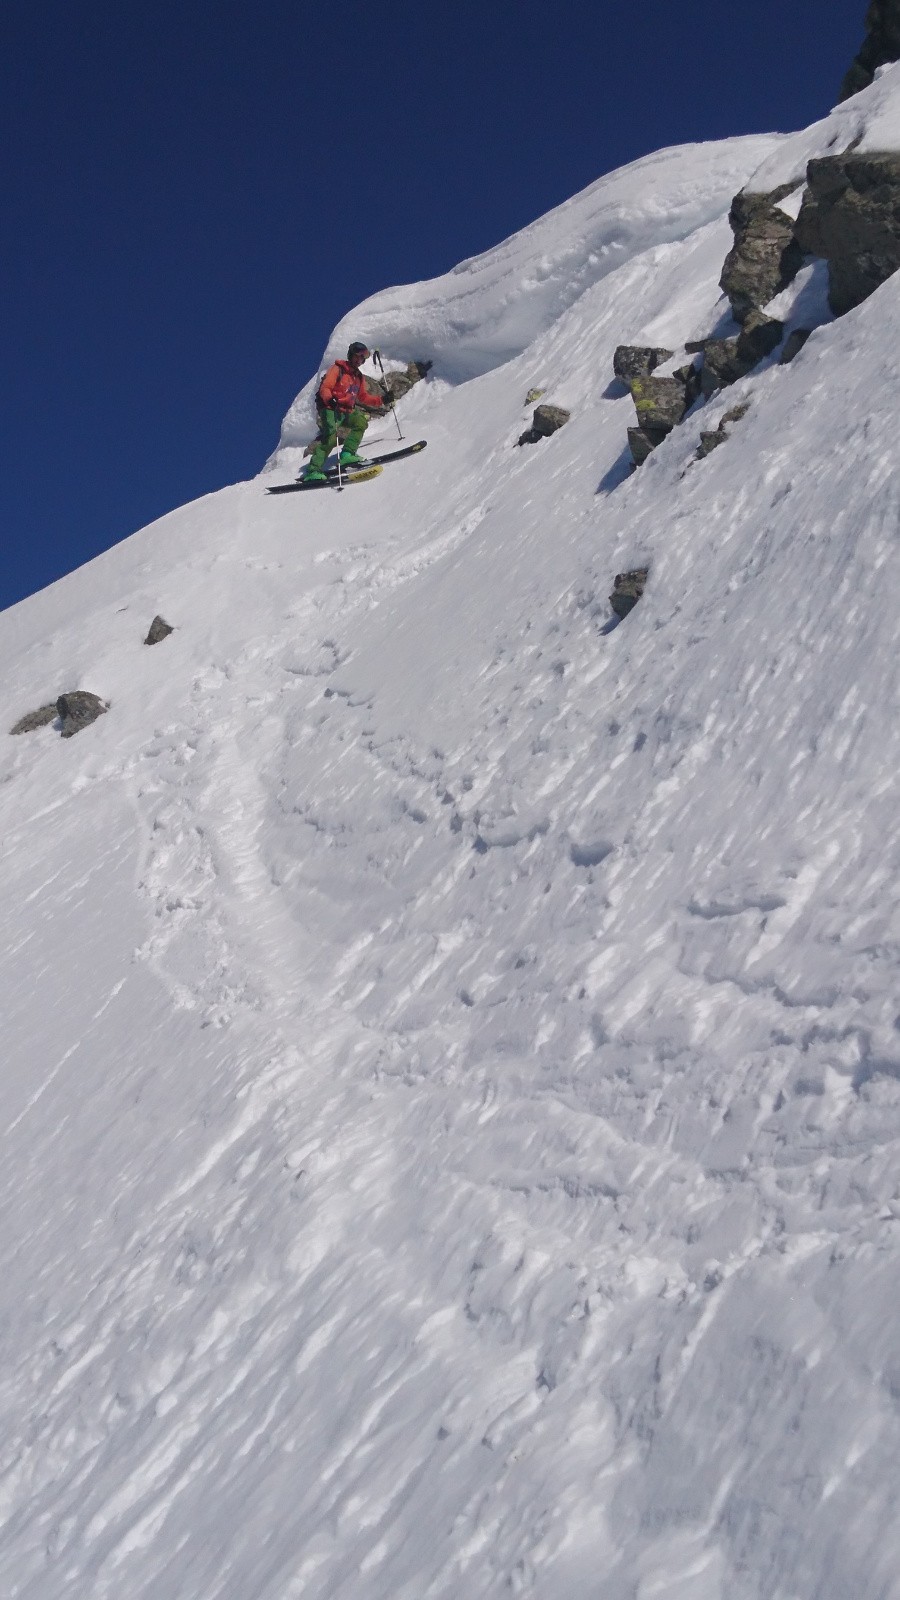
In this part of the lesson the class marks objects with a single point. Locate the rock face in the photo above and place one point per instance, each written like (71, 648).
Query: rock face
(851, 216)
(710, 441)
(660, 403)
(643, 441)
(638, 361)
(400, 382)
(727, 360)
(627, 590)
(36, 719)
(546, 420)
(159, 629)
(78, 710)
(882, 44)
(793, 344)
(765, 256)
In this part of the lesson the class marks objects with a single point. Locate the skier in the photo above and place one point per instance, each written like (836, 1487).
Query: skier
(343, 400)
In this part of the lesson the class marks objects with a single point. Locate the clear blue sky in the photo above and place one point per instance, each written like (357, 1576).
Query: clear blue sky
(193, 193)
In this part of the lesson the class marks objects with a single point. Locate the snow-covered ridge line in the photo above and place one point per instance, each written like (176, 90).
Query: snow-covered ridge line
(492, 307)
(451, 1070)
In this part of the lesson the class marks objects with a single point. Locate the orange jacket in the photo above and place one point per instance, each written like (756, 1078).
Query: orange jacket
(346, 388)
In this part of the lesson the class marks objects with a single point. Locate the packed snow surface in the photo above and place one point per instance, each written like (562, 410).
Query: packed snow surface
(451, 1060)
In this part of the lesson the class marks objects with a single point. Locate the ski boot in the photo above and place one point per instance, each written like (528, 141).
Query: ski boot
(349, 458)
(312, 476)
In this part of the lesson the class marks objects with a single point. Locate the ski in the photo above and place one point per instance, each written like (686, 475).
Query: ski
(331, 481)
(350, 474)
(379, 461)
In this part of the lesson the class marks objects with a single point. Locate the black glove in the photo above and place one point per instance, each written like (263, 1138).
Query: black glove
(388, 400)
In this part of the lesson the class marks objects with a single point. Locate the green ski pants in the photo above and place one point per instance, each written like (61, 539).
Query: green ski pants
(357, 422)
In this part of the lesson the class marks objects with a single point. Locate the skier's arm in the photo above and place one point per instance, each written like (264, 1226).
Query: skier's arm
(325, 394)
(372, 399)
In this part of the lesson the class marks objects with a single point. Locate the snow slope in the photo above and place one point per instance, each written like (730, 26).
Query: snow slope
(451, 1071)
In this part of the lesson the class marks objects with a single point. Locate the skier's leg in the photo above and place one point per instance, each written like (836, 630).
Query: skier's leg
(358, 423)
(325, 442)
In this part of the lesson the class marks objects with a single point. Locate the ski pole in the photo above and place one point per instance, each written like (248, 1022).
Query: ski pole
(376, 357)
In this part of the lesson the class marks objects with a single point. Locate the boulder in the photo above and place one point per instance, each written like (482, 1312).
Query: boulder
(638, 361)
(721, 365)
(78, 710)
(759, 336)
(660, 403)
(627, 590)
(851, 217)
(159, 629)
(400, 382)
(36, 719)
(765, 256)
(881, 44)
(532, 396)
(793, 344)
(710, 441)
(546, 420)
(643, 441)
(727, 360)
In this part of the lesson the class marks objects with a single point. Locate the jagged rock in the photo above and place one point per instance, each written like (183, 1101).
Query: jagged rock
(659, 402)
(159, 629)
(727, 360)
(759, 336)
(638, 361)
(78, 710)
(36, 719)
(710, 441)
(851, 216)
(765, 256)
(721, 365)
(793, 344)
(546, 420)
(532, 396)
(882, 44)
(643, 441)
(690, 377)
(627, 590)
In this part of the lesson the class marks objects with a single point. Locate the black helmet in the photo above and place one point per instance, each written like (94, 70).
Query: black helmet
(357, 349)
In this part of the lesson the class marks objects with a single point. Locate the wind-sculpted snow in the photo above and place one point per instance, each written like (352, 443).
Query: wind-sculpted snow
(868, 121)
(491, 308)
(451, 1056)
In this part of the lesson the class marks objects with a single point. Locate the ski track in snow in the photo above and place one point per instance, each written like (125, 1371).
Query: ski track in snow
(453, 1063)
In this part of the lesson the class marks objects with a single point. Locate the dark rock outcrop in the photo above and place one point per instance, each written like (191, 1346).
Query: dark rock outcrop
(851, 216)
(159, 629)
(400, 382)
(727, 360)
(78, 710)
(643, 441)
(882, 44)
(36, 719)
(627, 590)
(793, 344)
(638, 361)
(660, 403)
(765, 256)
(711, 440)
(546, 420)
